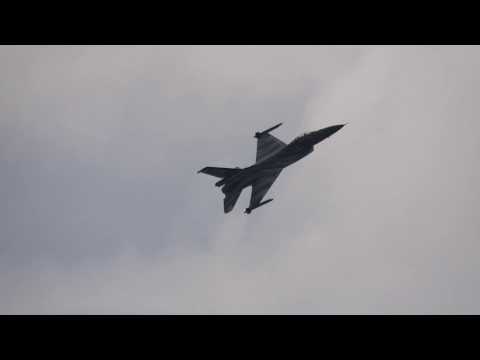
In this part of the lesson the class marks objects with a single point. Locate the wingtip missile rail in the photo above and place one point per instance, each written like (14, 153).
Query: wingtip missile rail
(259, 134)
(249, 210)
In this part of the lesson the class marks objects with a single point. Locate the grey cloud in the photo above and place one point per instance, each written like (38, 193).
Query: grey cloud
(102, 212)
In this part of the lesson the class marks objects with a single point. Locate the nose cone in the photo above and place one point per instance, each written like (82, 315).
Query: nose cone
(322, 134)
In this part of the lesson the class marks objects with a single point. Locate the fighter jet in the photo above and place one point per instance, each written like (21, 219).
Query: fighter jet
(273, 155)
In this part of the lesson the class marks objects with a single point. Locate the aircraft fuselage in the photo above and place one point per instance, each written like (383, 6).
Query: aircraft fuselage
(281, 159)
(296, 150)
(272, 156)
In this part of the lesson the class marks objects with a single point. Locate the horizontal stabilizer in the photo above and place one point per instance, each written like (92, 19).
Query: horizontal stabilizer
(230, 200)
(219, 172)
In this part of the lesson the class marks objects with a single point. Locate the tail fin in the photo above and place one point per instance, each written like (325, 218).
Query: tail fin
(219, 172)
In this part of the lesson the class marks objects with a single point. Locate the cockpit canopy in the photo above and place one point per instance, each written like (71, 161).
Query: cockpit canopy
(300, 137)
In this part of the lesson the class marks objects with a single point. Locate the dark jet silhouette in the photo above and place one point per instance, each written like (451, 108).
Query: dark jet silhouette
(273, 156)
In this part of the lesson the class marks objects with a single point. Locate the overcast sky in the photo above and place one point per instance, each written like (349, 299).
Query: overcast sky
(101, 209)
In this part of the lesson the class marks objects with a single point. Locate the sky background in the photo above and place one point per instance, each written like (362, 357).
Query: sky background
(102, 212)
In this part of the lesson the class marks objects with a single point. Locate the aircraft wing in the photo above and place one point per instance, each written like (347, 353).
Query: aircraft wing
(267, 145)
(261, 186)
